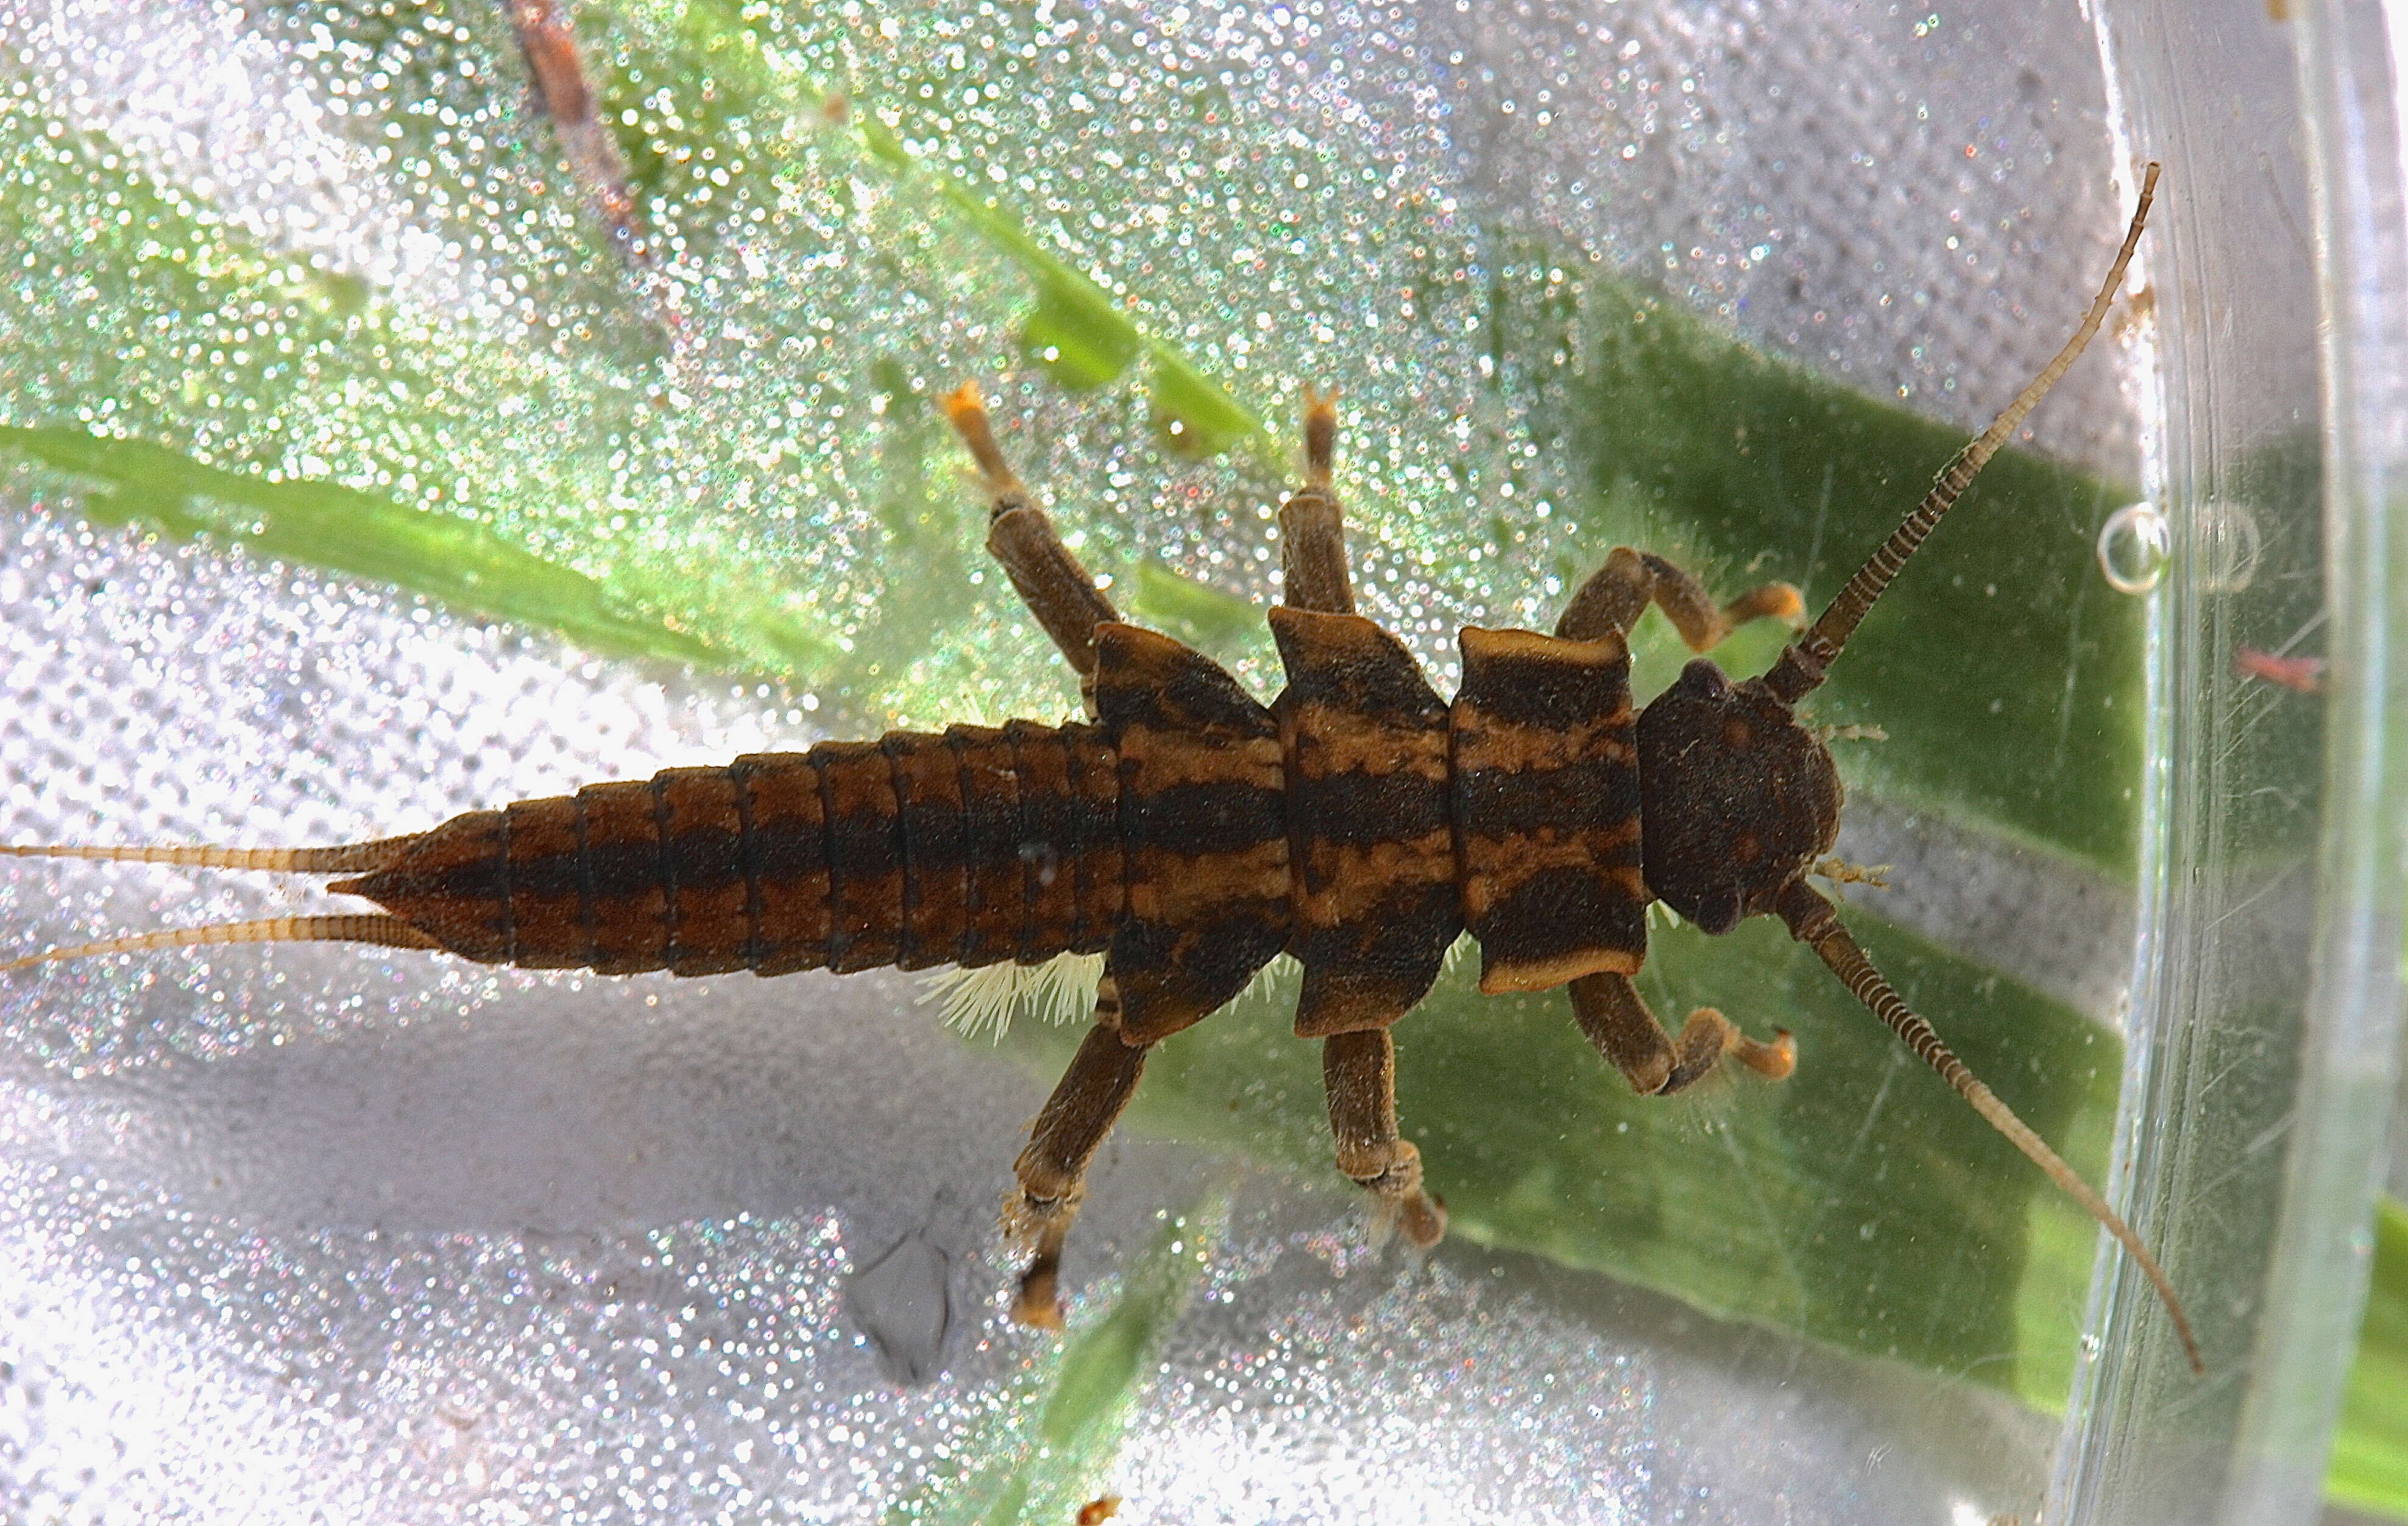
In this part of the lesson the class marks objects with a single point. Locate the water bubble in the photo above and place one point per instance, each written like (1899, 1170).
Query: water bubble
(2091, 1347)
(2133, 546)
(903, 1301)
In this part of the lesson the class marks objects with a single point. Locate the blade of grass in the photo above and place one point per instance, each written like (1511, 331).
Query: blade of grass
(2369, 1462)
(344, 530)
(224, 373)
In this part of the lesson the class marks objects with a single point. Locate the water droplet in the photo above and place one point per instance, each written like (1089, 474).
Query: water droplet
(2133, 546)
(2091, 1347)
(903, 1301)
(2229, 546)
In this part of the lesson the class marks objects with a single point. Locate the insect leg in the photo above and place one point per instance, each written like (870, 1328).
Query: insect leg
(1312, 528)
(1052, 1170)
(1612, 1013)
(1619, 593)
(1056, 589)
(1359, 1071)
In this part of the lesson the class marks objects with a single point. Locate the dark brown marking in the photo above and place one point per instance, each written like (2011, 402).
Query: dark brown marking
(788, 861)
(622, 864)
(549, 917)
(1049, 843)
(710, 926)
(1546, 807)
(450, 885)
(998, 887)
(707, 869)
(748, 867)
(1203, 823)
(1146, 679)
(865, 854)
(936, 866)
(1371, 850)
(1100, 869)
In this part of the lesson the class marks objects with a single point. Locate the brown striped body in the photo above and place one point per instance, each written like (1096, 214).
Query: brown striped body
(1360, 824)
(915, 850)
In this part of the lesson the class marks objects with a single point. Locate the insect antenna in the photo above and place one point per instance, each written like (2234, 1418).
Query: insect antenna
(1813, 922)
(1801, 664)
(351, 928)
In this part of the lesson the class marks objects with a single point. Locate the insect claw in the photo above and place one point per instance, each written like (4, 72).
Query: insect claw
(1774, 1062)
(1773, 601)
(1400, 1202)
(1839, 871)
(1044, 1225)
(966, 410)
(1038, 1305)
(1320, 436)
(1829, 734)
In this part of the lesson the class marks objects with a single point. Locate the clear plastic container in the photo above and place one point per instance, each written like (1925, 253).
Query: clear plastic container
(313, 1233)
(2268, 955)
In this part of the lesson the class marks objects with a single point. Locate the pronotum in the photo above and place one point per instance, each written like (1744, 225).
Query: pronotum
(1189, 833)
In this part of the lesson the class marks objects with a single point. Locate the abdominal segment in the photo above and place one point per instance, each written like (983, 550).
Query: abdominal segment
(969, 846)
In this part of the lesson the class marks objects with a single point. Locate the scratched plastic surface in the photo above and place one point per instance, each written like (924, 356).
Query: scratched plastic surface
(308, 1233)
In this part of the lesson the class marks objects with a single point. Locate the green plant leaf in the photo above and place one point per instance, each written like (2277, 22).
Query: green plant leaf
(2370, 1463)
(342, 529)
(1860, 1204)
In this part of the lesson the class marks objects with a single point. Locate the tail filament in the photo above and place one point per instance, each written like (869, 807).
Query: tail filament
(349, 858)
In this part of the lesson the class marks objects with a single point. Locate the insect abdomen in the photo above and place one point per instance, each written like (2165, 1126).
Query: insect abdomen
(971, 847)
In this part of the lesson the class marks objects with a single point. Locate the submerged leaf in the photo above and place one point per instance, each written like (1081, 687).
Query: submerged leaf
(1860, 1204)
(342, 529)
(2370, 1463)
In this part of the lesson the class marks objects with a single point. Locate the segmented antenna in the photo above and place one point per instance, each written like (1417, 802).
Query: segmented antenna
(1801, 666)
(352, 928)
(1814, 923)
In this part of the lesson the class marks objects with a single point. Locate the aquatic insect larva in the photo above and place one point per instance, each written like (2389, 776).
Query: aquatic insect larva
(1188, 833)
